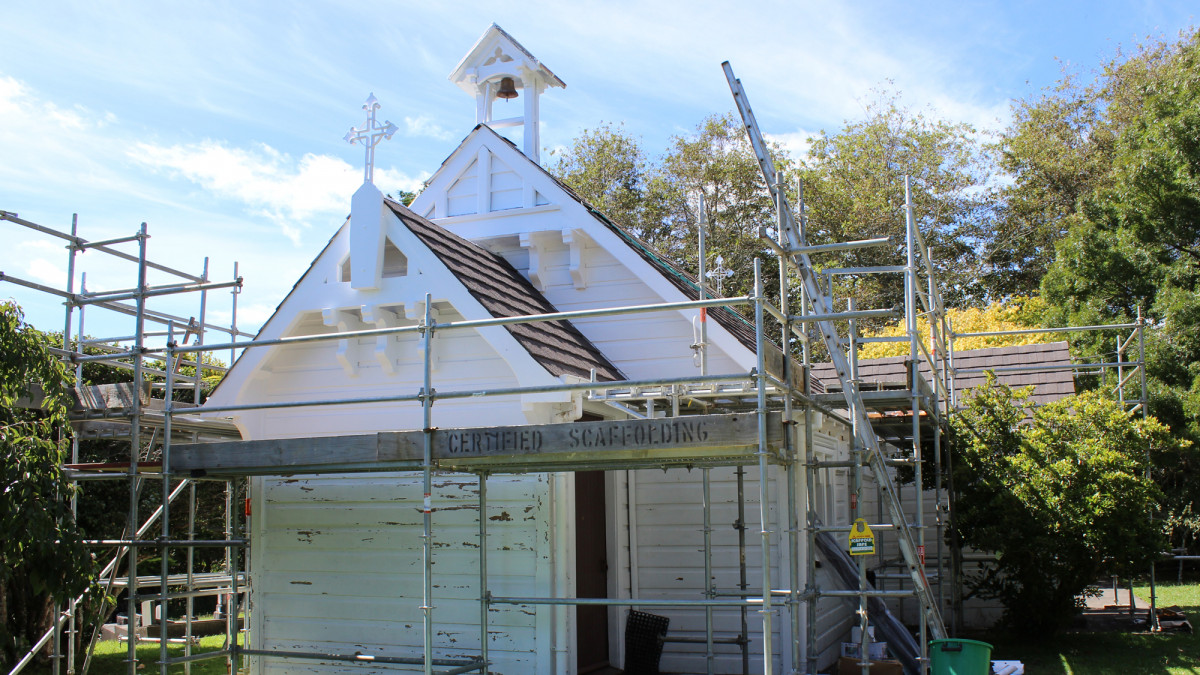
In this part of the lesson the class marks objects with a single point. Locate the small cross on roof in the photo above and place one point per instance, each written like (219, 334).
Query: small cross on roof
(371, 133)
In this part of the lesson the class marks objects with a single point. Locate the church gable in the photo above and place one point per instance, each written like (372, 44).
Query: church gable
(467, 282)
(478, 180)
(503, 292)
(577, 258)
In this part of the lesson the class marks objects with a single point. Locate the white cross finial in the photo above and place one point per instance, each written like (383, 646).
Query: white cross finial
(719, 275)
(370, 135)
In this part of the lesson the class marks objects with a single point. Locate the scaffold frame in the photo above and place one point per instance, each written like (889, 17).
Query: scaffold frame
(781, 394)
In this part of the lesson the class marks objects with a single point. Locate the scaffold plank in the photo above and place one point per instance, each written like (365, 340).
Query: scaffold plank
(524, 448)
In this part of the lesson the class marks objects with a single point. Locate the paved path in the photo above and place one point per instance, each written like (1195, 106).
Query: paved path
(1105, 600)
(1104, 613)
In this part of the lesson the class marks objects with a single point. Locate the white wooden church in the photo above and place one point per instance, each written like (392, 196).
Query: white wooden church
(336, 559)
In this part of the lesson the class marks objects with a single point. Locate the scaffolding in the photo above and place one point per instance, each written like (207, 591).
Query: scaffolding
(776, 402)
(770, 391)
(144, 413)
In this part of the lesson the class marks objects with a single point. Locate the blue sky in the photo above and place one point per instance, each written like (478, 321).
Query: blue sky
(220, 124)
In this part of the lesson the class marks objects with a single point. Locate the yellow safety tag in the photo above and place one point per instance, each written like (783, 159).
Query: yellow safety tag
(862, 539)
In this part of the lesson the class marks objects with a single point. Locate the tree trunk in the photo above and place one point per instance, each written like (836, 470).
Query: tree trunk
(7, 648)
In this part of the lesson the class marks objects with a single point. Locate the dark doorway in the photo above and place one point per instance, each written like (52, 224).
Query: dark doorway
(591, 569)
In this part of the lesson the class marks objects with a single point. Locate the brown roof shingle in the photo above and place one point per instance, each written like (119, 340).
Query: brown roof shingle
(557, 345)
(1049, 385)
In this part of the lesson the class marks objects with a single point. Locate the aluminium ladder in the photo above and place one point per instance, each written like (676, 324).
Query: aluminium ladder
(820, 305)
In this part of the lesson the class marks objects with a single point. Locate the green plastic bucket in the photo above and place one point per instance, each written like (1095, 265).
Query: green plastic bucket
(960, 657)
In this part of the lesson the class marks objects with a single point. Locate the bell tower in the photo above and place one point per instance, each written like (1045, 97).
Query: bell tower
(498, 67)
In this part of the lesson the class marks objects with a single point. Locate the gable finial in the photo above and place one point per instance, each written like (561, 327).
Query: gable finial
(370, 135)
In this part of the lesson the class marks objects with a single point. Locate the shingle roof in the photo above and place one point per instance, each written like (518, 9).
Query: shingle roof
(557, 345)
(1049, 385)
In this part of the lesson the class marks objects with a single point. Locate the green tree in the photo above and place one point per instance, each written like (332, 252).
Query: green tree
(606, 166)
(1061, 498)
(1132, 240)
(1059, 151)
(718, 163)
(405, 197)
(657, 201)
(1056, 151)
(854, 189)
(42, 557)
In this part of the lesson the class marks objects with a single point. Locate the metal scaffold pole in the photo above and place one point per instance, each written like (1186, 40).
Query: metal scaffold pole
(856, 495)
(72, 637)
(912, 288)
(427, 484)
(790, 454)
(941, 409)
(135, 443)
(709, 591)
(808, 486)
(764, 503)
(484, 595)
(164, 551)
(795, 252)
(1144, 402)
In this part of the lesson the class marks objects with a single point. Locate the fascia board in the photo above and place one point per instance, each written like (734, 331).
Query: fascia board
(232, 386)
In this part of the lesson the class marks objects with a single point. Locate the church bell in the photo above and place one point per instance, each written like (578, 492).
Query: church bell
(508, 89)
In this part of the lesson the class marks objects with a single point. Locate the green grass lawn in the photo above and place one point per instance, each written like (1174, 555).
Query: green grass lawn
(109, 658)
(1116, 653)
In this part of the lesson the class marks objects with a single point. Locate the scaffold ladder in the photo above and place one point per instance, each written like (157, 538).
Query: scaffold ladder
(820, 305)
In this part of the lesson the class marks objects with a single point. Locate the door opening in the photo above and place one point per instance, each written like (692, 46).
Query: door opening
(591, 570)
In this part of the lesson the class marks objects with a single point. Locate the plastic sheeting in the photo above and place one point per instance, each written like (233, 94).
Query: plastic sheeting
(900, 641)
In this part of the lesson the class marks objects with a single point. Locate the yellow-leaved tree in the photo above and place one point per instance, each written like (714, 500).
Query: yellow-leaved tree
(1017, 313)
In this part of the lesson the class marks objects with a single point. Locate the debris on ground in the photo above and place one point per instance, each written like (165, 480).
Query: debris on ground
(1171, 619)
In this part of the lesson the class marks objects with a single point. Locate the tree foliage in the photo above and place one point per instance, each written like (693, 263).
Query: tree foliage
(42, 557)
(658, 200)
(1017, 313)
(1118, 184)
(1061, 498)
(606, 166)
(854, 189)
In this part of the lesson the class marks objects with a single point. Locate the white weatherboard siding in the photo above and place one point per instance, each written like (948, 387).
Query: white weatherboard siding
(670, 545)
(669, 542)
(638, 344)
(338, 567)
(649, 345)
(310, 372)
(336, 561)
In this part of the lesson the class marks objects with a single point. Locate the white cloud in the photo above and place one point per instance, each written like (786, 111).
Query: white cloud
(45, 143)
(46, 272)
(424, 126)
(18, 100)
(12, 94)
(292, 193)
(250, 316)
(795, 143)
